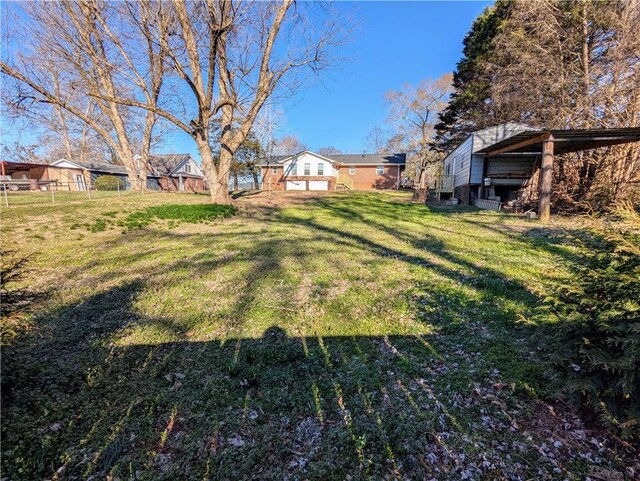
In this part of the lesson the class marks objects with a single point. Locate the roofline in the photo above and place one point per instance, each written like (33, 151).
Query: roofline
(374, 164)
(53, 164)
(282, 161)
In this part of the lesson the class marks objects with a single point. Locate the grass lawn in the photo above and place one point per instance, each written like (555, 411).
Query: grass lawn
(346, 336)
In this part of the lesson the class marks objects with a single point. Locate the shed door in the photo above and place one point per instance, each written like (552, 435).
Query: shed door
(296, 185)
(80, 182)
(318, 185)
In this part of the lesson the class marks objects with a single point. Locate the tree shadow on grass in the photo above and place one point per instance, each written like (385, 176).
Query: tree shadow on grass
(273, 407)
(86, 399)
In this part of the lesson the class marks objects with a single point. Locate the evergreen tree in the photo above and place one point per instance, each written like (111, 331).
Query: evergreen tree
(467, 111)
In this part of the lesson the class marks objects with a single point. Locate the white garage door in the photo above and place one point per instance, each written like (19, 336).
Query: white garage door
(318, 185)
(296, 185)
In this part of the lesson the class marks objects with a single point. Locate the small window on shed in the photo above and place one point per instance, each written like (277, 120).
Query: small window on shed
(380, 170)
(294, 169)
(321, 169)
(187, 168)
(307, 169)
(352, 170)
(274, 170)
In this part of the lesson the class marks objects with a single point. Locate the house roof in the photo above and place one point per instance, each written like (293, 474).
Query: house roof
(566, 140)
(369, 159)
(350, 159)
(161, 164)
(96, 166)
(166, 164)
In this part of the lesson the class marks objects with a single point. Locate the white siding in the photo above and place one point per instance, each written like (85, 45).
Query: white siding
(313, 160)
(493, 135)
(467, 167)
(193, 169)
(458, 162)
(476, 169)
(65, 164)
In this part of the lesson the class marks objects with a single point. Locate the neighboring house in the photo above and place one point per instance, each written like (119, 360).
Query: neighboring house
(310, 171)
(167, 172)
(501, 176)
(78, 176)
(178, 172)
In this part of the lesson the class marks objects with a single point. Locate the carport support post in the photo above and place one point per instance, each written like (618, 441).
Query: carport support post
(546, 180)
(6, 199)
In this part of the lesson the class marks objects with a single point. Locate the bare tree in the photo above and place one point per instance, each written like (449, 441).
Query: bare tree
(329, 151)
(72, 55)
(377, 140)
(414, 112)
(288, 145)
(230, 57)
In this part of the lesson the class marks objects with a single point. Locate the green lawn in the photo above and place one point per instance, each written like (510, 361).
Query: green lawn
(348, 336)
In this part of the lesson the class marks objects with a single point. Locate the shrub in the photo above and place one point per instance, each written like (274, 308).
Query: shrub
(592, 345)
(189, 213)
(14, 293)
(108, 182)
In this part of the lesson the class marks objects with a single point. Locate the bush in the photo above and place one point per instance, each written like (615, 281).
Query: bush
(108, 182)
(189, 213)
(594, 354)
(14, 293)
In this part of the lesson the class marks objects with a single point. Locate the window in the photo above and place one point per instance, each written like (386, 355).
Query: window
(352, 170)
(321, 169)
(187, 168)
(307, 169)
(380, 170)
(294, 169)
(274, 170)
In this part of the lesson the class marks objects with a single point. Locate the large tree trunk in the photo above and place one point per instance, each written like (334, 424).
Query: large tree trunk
(150, 121)
(224, 171)
(218, 186)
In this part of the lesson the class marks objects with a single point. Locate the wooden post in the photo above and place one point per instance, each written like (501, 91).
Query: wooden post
(4, 185)
(546, 180)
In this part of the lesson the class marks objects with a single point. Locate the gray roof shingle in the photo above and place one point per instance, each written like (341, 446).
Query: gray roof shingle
(351, 159)
(355, 159)
(102, 167)
(167, 163)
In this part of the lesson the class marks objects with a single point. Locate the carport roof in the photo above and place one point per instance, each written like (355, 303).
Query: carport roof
(569, 140)
(10, 167)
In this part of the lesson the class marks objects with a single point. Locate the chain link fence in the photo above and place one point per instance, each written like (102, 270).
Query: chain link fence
(28, 192)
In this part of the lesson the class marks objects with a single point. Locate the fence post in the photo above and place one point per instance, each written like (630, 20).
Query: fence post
(6, 198)
(89, 189)
(118, 187)
(53, 197)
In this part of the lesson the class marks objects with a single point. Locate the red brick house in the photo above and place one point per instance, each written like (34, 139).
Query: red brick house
(310, 171)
